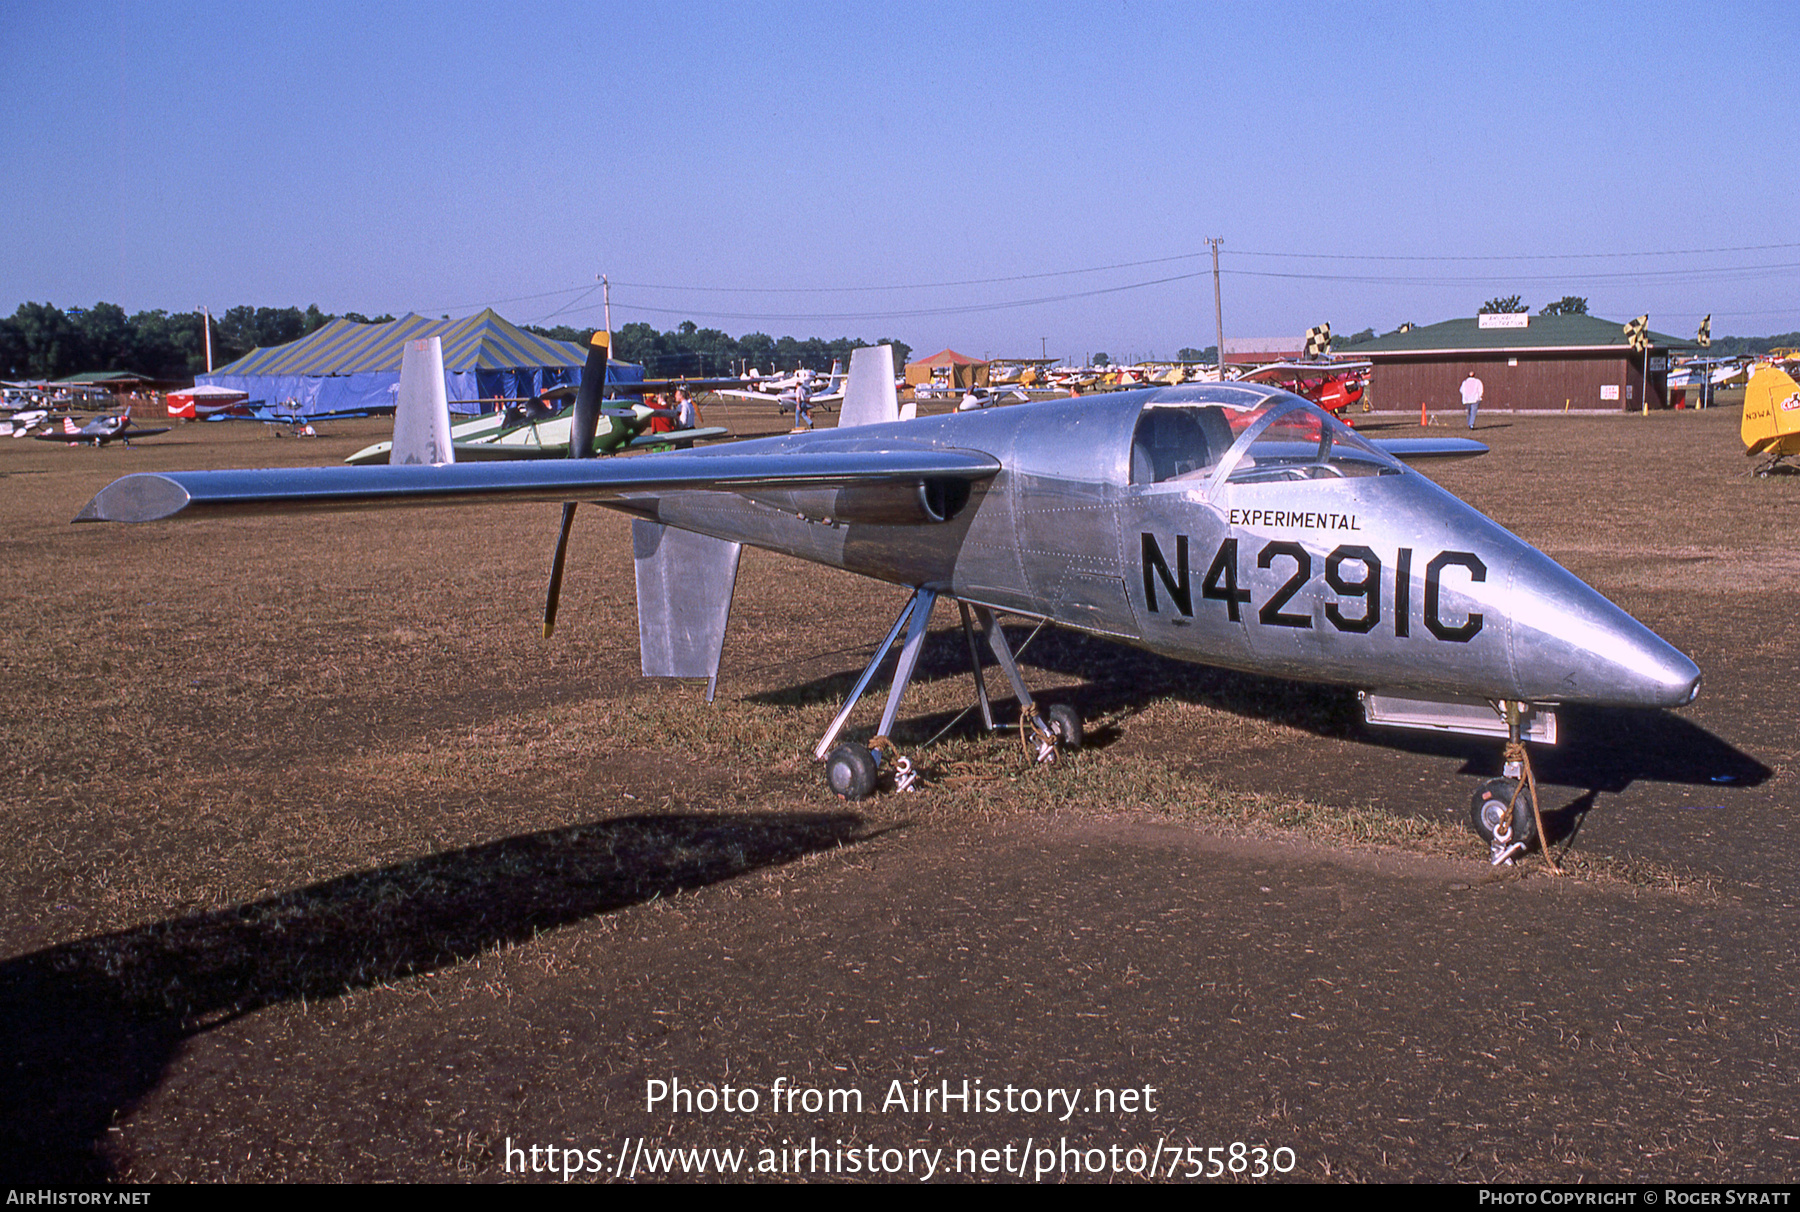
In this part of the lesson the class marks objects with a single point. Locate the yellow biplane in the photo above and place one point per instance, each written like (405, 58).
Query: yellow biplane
(1772, 418)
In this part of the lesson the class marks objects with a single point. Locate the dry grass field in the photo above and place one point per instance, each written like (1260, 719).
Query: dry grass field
(321, 863)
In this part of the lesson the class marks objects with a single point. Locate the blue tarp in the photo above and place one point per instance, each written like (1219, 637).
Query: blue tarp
(346, 366)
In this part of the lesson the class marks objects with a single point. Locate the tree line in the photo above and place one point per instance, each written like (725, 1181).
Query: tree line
(43, 341)
(689, 351)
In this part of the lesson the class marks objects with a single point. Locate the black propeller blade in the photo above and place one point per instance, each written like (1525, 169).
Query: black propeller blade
(556, 569)
(587, 400)
(582, 429)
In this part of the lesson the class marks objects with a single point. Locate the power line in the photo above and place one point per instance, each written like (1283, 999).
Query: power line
(1721, 315)
(1668, 252)
(817, 317)
(823, 290)
(1702, 274)
(1694, 274)
(572, 303)
(1095, 269)
(1717, 274)
(546, 294)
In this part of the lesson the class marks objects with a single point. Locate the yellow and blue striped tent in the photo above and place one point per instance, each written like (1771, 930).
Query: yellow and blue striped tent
(346, 366)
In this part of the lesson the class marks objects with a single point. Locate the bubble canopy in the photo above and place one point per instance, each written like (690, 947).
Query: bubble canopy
(1280, 439)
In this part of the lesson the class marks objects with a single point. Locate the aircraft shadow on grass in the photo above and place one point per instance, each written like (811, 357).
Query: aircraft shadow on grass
(1599, 749)
(91, 1025)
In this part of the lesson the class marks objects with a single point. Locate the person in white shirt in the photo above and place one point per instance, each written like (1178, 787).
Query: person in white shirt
(1471, 396)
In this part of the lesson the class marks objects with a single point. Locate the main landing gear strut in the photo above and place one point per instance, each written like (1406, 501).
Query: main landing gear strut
(852, 770)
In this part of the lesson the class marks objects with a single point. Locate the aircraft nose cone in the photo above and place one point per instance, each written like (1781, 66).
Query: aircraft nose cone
(1672, 674)
(1570, 644)
(1645, 670)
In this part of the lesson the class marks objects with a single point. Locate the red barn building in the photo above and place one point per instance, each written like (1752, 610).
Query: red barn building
(1525, 363)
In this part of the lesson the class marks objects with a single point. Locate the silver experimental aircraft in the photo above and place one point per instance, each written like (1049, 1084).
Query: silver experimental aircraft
(1229, 524)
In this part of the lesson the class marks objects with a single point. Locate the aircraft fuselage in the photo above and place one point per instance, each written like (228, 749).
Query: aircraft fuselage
(1378, 580)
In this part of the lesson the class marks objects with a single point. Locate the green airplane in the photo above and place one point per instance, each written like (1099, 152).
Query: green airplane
(539, 429)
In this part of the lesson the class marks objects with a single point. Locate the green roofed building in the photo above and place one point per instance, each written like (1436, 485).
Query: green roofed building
(112, 380)
(346, 365)
(1524, 362)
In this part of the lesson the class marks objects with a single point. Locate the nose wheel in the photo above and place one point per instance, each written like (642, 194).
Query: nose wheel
(1504, 811)
(1502, 818)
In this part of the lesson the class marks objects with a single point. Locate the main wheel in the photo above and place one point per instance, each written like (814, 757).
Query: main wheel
(1487, 809)
(1065, 722)
(850, 772)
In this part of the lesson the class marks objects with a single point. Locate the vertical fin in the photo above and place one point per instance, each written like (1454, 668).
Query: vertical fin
(422, 412)
(869, 395)
(684, 587)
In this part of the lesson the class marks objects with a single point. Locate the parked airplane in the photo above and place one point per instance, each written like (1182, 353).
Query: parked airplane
(529, 429)
(99, 432)
(1333, 386)
(990, 397)
(18, 424)
(1771, 424)
(1018, 372)
(784, 389)
(1291, 547)
(620, 429)
(288, 413)
(205, 400)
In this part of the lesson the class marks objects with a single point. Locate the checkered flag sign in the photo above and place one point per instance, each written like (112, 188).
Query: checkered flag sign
(1637, 333)
(1318, 341)
(1705, 337)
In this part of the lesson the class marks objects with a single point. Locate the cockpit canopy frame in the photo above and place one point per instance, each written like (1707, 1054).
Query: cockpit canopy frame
(1208, 436)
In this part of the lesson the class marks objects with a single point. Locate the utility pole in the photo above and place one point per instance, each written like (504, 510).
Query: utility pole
(606, 298)
(206, 321)
(1218, 307)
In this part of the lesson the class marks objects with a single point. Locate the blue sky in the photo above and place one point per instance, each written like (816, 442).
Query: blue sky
(945, 174)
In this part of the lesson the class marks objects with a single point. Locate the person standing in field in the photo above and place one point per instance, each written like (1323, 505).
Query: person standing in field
(1471, 396)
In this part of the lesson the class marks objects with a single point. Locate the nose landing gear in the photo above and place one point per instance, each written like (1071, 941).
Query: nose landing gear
(1504, 811)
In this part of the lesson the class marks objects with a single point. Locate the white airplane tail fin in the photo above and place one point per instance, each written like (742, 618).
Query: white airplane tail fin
(869, 395)
(422, 412)
(837, 378)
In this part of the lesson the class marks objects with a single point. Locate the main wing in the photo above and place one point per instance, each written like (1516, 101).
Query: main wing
(1410, 449)
(153, 496)
(1281, 372)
